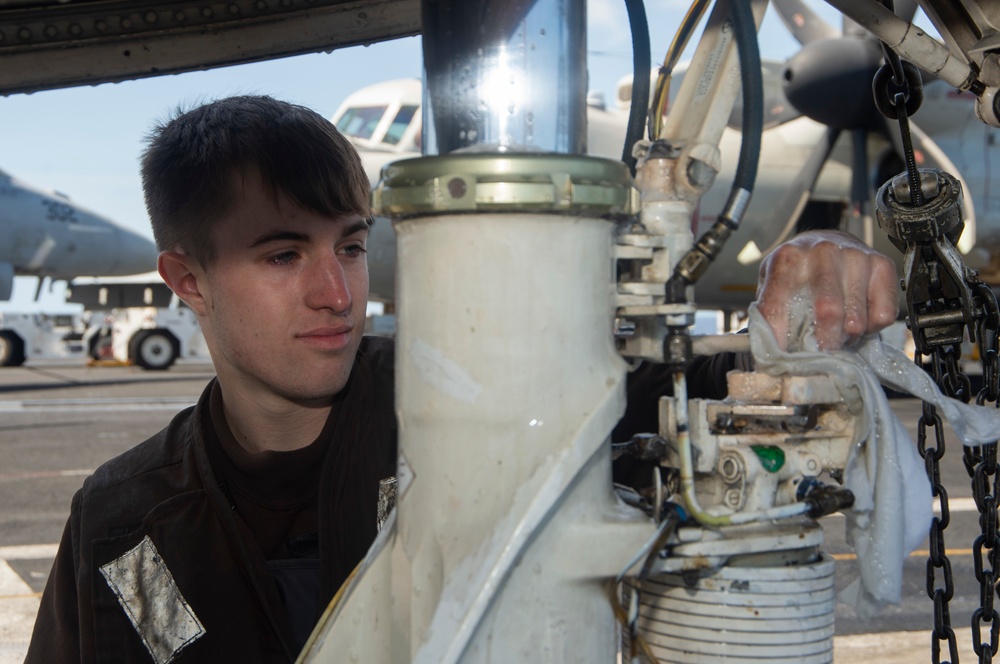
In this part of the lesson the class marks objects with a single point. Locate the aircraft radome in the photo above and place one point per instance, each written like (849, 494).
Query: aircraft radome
(48, 235)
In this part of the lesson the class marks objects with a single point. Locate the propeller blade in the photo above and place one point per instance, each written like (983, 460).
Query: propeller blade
(860, 191)
(796, 195)
(859, 221)
(804, 24)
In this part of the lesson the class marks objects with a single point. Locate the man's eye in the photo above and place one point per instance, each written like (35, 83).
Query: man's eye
(284, 258)
(355, 250)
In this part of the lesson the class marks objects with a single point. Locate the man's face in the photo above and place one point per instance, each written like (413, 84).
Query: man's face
(285, 297)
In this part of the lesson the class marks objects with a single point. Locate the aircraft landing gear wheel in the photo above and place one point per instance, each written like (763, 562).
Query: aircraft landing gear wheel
(11, 349)
(154, 350)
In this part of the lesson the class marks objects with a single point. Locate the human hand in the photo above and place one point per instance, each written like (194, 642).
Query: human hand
(851, 288)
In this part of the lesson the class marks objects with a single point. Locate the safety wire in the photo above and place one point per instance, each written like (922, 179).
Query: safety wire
(897, 90)
(677, 46)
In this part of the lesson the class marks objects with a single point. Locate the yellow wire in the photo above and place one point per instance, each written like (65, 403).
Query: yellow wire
(680, 42)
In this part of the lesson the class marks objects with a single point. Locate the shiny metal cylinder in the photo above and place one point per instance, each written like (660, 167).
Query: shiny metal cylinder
(504, 75)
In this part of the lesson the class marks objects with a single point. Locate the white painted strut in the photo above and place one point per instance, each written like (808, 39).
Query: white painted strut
(507, 530)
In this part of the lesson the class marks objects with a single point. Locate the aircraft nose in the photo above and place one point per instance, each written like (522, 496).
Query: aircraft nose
(136, 254)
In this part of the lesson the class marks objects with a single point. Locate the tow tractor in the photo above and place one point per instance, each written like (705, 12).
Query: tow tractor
(126, 321)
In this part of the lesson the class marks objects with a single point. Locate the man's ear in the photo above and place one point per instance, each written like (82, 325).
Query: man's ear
(185, 278)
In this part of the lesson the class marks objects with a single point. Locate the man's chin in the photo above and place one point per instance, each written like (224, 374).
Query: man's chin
(319, 392)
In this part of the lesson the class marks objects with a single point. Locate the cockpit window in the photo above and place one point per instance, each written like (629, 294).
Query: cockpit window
(399, 124)
(360, 121)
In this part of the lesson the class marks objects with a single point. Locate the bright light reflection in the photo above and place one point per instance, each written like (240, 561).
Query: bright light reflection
(503, 94)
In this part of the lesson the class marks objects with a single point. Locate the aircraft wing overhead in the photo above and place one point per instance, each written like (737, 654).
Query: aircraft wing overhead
(62, 44)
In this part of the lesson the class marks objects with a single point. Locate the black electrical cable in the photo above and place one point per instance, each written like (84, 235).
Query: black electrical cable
(753, 94)
(641, 59)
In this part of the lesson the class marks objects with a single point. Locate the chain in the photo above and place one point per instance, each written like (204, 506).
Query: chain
(981, 464)
(945, 302)
(938, 560)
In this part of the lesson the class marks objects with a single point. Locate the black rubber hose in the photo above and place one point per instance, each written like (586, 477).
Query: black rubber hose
(693, 264)
(641, 59)
(753, 94)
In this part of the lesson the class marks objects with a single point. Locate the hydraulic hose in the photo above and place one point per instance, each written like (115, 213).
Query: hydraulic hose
(690, 268)
(753, 94)
(641, 57)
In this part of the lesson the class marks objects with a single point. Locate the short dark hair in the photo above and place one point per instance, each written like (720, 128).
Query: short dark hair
(192, 162)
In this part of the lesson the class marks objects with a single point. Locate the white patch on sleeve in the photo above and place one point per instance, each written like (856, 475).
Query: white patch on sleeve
(436, 369)
(146, 590)
(386, 500)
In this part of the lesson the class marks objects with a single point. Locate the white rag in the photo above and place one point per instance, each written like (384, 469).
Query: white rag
(892, 494)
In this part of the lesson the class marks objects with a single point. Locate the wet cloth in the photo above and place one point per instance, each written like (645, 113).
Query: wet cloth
(892, 495)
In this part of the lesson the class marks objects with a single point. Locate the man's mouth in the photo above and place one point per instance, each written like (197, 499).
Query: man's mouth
(328, 338)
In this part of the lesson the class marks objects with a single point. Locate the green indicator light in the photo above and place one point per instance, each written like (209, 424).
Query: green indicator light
(771, 457)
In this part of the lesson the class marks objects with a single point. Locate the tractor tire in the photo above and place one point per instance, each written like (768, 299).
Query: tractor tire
(154, 350)
(11, 349)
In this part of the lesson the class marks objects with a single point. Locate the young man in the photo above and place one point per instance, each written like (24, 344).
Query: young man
(206, 540)
(221, 538)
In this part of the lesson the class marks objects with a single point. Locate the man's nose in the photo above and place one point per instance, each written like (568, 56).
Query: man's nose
(327, 286)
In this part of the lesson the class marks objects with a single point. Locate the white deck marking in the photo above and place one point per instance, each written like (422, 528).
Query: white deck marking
(28, 551)
(11, 583)
(97, 404)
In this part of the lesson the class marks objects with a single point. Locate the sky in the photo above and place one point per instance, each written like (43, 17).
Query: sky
(86, 141)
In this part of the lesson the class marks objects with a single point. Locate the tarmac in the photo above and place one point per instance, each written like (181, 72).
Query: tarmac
(58, 423)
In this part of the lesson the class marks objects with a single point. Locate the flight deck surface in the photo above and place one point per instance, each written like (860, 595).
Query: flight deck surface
(57, 424)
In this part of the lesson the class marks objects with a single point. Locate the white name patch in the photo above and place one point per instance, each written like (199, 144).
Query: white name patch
(146, 590)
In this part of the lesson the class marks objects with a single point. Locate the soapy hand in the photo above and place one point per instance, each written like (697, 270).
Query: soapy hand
(852, 289)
